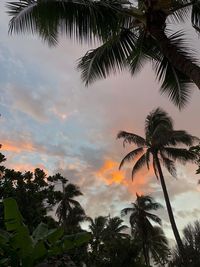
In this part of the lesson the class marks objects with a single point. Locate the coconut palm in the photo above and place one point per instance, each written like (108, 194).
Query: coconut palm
(131, 34)
(97, 228)
(160, 146)
(69, 211)
(140, 221)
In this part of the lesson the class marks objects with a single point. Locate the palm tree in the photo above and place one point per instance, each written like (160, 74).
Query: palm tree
(97, 228)
(132, 34)
(160, 143)
(69, 211)
(140, 221)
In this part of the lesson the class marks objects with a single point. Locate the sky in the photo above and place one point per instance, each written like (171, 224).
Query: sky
(49, 119)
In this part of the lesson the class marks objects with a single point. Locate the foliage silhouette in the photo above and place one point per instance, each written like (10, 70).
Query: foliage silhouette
(131, 33)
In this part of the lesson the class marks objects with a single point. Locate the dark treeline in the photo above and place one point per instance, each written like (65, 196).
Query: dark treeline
(112, 242)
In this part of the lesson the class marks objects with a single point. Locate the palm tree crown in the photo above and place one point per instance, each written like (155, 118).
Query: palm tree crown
(160, 139)
(133, 33)
(140, 212)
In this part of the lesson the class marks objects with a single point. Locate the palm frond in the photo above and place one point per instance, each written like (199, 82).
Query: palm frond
(169, 165)
(154, 218)
(180, 154)
(130, 138)
(182, 137)
(195, 17)
(131, 156)
(127, 211)
(83, 20)
(180, 11)
(111, 56)
(155, 169)
(138, 57)
(74, 203)
(147, 154)
(153, 206)
(72, 190)
(138, 165)
(174, 83)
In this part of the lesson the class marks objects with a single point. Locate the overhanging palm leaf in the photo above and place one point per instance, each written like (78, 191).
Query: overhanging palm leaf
(175, 84)
(111, 56)
(139, 55)
(82, 19)
(91, 20)
(195, 17)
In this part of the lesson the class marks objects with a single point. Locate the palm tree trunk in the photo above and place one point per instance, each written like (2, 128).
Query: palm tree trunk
(170, 212)
(181, 62)
(145, 252)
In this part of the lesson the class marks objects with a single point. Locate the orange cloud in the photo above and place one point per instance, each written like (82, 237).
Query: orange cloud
(110, 174)
(17, 148)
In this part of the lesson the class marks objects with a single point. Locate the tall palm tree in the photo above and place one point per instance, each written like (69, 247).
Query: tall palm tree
(132, 33)
(160, 145)
(69, 211)
(140, 221)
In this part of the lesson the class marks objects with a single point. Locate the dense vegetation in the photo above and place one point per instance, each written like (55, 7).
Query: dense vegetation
(30, 236)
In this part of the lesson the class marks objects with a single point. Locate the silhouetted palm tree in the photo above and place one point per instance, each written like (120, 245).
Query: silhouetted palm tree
(133, 33)
(140, 221)
(69, 211)
(97, 228)
(160, 143)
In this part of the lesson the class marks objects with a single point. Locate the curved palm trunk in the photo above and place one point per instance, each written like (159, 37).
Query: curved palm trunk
(169, 209)
(178, 60)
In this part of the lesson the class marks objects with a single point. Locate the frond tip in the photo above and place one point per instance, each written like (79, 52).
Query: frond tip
(131, 138)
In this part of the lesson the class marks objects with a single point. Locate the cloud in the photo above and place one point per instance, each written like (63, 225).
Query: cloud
(110, 174)
(29, 102)
(21, 145)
